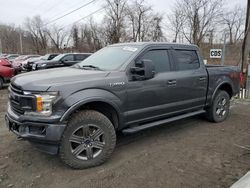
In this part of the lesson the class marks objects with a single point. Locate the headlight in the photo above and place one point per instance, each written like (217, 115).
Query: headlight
(44, 103)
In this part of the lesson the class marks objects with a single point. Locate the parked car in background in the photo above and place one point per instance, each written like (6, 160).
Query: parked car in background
(46, 57)
(30, 62)
(62, 60)
(5, 62)
(24, 63)
(11, 57)
(17, 63)
(6, 71)
(3, 55)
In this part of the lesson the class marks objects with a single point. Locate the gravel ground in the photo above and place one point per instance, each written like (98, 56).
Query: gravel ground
(186, 153)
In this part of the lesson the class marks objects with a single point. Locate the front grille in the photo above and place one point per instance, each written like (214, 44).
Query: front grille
(15, 94)
(16, 89)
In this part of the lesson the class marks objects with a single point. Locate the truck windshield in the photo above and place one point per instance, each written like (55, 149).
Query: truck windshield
(109, 58)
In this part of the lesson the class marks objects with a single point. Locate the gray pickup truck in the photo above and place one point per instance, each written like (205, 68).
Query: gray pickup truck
(76, 111)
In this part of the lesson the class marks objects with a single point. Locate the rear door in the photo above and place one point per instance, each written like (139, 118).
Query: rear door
(191, 80)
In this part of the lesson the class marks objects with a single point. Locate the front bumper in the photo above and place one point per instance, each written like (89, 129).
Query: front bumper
(45, 135)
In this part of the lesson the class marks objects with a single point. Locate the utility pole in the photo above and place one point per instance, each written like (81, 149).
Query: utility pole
(224, 50)
(246, 41)
(21, 43)
(245, 61)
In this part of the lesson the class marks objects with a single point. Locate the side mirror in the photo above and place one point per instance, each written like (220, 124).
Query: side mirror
(143, 70)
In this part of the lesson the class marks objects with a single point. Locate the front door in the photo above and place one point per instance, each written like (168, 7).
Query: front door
(67, 61)
(147, 99)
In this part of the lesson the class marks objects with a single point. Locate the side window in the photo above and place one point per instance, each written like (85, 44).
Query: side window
(68, 58)
(80, 57)
(186, 59)
(51, 57)
(160, 59)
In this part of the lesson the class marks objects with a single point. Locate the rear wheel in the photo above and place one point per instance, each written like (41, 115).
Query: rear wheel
(88, 140)
(219, 109)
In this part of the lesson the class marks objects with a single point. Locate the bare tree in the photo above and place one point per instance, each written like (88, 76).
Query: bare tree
(176, 22)
(87, 37)
(200, 17)
(10, 38)
(35, 27)
(96, 35)
(234, 21)
(75, 37)
(157, 29)
(57, 37)
(114, 18)
(142, 24)
(136, 13)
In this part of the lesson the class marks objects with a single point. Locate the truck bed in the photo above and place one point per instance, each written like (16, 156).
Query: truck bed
(219, 74)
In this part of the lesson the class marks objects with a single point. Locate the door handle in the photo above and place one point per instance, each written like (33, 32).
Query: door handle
(202, 78)
(172, 82)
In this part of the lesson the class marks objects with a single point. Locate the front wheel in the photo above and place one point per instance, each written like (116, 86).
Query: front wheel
(88, 140)
(219, 109)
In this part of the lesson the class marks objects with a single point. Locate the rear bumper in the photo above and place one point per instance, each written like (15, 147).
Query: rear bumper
(46, 136)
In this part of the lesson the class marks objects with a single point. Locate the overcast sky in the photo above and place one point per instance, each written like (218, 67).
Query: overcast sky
(15, 11)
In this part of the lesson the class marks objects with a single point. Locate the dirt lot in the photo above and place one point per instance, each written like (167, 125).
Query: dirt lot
(187, 153)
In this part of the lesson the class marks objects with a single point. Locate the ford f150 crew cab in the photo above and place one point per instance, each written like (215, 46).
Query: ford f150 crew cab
(76, 111)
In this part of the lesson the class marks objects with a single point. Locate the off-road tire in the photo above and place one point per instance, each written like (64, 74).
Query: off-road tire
(211, 111)
(84, 118)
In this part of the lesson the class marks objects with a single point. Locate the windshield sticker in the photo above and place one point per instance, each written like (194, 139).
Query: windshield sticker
(131, 49)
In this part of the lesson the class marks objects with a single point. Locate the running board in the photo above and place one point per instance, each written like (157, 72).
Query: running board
(160, 122)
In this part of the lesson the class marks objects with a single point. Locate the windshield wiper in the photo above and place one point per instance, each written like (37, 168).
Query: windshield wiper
(90, 67)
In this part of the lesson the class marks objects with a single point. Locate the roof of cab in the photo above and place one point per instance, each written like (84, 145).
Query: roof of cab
(146, 44)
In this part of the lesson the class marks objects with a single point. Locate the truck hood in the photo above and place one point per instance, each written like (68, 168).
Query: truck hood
(44, 79)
